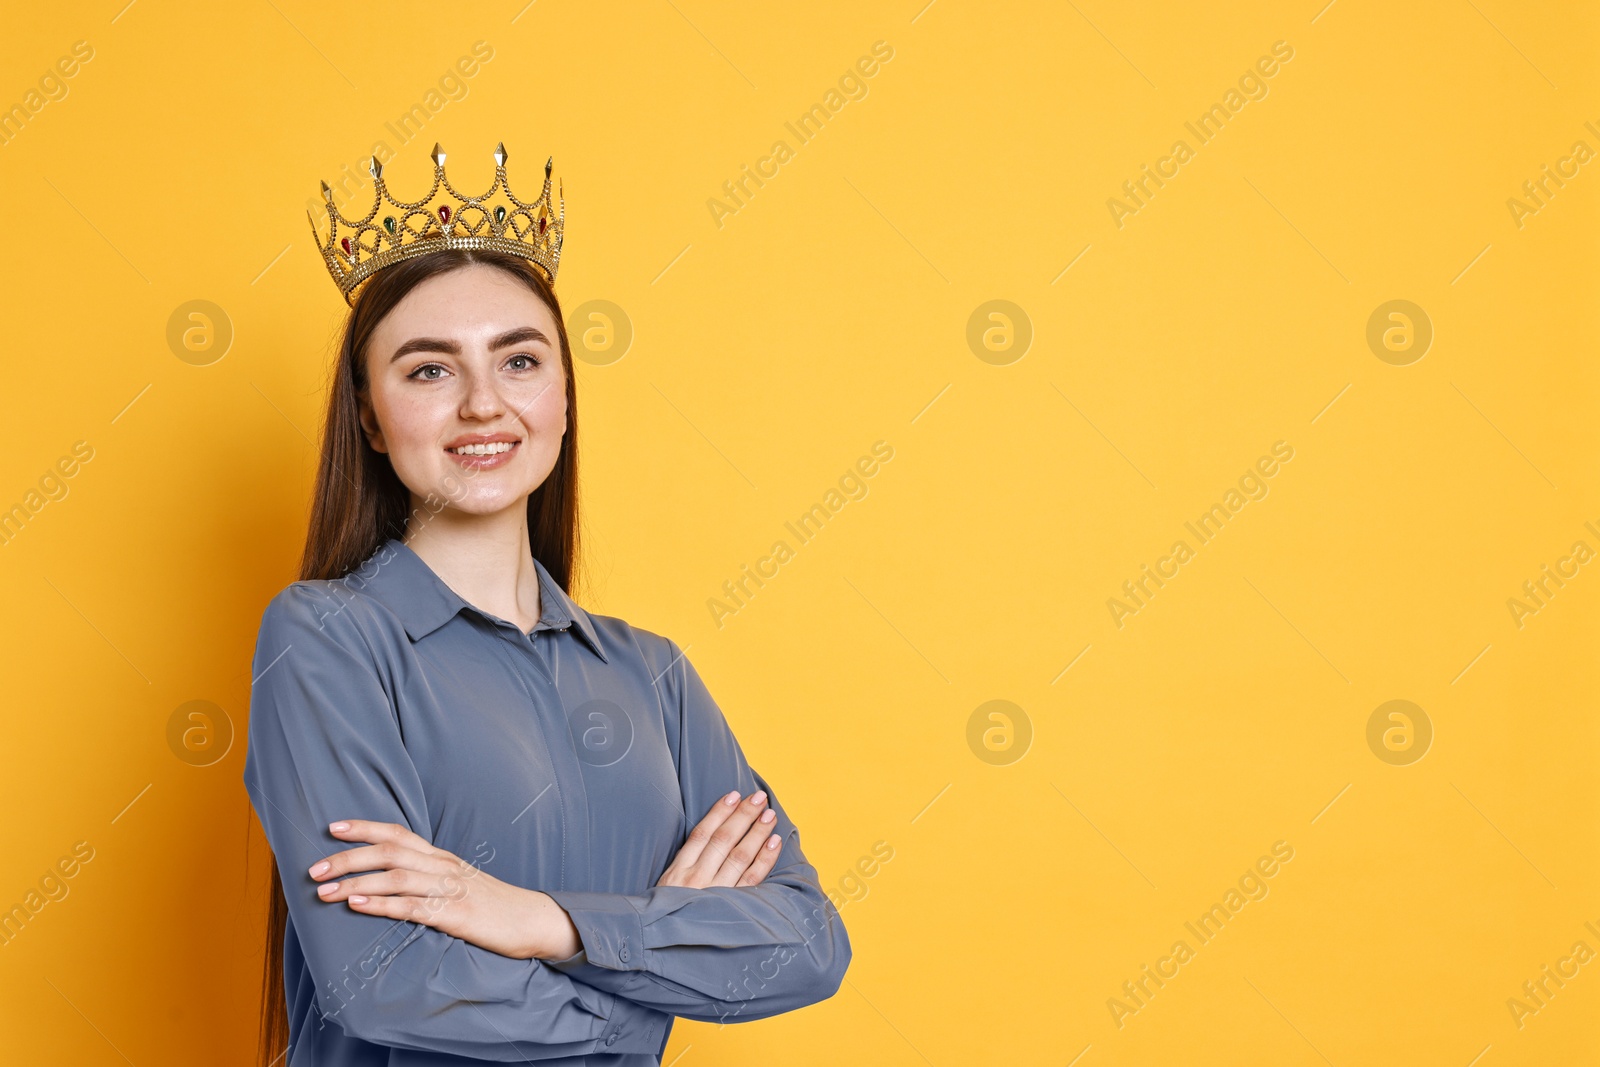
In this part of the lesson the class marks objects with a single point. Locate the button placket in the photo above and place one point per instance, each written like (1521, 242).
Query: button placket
(568, 782)
(555, 730)
(529, 643)
(549, 655)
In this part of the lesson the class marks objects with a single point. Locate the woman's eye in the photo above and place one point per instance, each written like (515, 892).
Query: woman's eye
(522, 362)
(428, 372)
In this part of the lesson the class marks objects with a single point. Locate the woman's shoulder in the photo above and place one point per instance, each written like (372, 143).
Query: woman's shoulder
(333, 610)
(612, 632)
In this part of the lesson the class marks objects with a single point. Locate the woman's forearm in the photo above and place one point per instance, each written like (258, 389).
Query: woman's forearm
(555, 935)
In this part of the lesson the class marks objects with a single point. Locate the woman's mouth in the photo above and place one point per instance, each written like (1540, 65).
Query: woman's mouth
(484, 456)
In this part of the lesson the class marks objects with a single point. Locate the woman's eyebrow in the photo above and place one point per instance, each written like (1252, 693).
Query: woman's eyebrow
(520, 335)
(516, 336)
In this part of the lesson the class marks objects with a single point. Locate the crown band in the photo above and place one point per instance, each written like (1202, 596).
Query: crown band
(531, 231)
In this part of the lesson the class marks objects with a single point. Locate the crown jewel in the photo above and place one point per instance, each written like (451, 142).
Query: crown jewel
(356, 249)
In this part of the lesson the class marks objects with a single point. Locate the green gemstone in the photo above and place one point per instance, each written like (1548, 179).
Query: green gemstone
(388, 224)
(499, 214)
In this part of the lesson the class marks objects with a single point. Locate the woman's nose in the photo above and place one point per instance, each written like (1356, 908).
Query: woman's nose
(483, 398)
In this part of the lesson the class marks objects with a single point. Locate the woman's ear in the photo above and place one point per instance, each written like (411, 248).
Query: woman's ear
(369, 422)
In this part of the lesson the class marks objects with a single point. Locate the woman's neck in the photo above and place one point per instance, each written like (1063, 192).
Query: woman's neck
(486, 559)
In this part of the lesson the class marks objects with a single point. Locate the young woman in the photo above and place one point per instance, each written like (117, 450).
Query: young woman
(504, 828)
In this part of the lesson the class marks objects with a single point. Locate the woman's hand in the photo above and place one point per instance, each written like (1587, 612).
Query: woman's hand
(732, 846)
(423, 884)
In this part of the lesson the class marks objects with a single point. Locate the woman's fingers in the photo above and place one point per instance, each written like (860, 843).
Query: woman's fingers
(377, 833)
(721, 847)
(424, 910)
(745, 850)
(701, 833)
(369, 858)
(725, 838)
(766, 857)
(398, 882)
(383, 857)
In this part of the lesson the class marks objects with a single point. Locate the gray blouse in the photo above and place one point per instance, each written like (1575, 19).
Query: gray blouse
(572, 760)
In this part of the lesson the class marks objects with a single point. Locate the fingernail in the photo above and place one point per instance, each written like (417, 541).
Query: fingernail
(327, 887)
(338, 826)
(767, 816)
(731, 798)
(772, 842)
(320, 868)
(358, 900)
(758, 798)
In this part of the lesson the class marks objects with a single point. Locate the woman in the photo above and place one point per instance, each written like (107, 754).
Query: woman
(479, 795)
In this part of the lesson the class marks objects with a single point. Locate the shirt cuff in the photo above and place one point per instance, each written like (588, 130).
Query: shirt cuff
(632, 1030)
(610, 926)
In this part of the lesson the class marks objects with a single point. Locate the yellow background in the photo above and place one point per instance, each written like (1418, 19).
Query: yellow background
(829, 312)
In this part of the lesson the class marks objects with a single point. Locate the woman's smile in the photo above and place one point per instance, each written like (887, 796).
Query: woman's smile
(483, 451)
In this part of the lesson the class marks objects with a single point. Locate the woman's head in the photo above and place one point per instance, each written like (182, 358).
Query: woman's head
(465, 392)
(456, 351)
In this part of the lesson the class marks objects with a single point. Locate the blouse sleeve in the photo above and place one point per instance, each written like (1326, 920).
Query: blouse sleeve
(726, 954)
(324, 743)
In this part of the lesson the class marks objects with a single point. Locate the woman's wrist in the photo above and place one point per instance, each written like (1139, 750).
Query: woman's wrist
(554, 935)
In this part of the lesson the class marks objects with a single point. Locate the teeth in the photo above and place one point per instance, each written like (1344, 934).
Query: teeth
(483, 450)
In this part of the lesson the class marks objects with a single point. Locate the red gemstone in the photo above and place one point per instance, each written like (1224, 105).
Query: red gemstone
(542, 222)
(344, 243)
(444, 213)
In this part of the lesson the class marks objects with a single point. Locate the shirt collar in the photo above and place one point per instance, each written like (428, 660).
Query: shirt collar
(407, 586)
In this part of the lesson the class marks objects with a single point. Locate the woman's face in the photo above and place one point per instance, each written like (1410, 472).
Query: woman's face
(466, 393)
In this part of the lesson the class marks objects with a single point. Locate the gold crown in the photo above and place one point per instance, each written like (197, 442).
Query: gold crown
(532, 231)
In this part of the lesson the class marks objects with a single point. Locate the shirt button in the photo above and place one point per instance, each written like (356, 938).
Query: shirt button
(624, 954)
(612, 1040)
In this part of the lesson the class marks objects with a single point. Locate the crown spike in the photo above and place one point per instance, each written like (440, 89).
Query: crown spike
(532, 230)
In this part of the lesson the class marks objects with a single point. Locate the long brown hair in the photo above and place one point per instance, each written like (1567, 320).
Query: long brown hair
(359, 503)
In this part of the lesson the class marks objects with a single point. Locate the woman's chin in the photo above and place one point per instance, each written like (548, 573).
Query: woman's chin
(479, 504)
